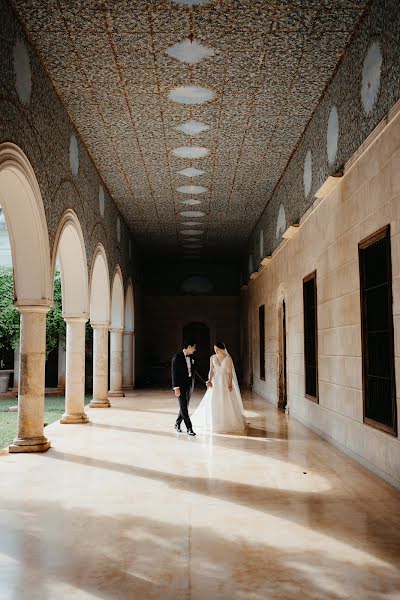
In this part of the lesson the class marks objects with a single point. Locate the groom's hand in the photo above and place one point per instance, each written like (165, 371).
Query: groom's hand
(177, 392)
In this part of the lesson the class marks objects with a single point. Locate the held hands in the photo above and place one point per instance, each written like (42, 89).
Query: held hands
(209, 384)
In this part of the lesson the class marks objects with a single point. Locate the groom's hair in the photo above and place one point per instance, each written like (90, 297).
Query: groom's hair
(189, 342)
(220, 345)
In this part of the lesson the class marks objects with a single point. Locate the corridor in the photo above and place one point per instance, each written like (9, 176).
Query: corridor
(124, 508)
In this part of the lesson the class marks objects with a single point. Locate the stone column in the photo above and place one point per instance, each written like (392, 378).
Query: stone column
(31, 381)
(116, 362)
(16, 369)
(61, 364)
(75, 372)
(100, 367)
(133, 359)
(127, 360)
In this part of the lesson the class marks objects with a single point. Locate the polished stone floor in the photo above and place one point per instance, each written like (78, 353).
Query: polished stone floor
(124, 508)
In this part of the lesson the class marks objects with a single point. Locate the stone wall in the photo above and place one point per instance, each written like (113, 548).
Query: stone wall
(33, 118)
(366, 199)
(165, 316)
(362, 91)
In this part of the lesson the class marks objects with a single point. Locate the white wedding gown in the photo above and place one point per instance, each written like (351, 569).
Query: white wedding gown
(220, 410)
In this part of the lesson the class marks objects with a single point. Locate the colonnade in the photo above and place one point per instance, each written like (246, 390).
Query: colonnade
(87, 295)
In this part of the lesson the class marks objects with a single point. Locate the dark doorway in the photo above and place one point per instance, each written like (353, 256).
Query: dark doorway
(201, 334)
(282, 368)
(377, 331)
(261, 331)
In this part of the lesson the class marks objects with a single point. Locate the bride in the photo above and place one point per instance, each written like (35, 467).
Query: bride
(221, 410)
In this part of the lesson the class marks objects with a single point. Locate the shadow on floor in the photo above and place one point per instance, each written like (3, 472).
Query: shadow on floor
(128, 557)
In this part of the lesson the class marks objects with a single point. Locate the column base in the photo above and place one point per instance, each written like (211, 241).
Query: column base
(37, 444)
(74, 419)
(99, 404)
(116, 394)
(127, 388)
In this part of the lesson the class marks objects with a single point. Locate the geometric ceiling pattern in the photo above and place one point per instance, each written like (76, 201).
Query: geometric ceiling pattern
(238, 80)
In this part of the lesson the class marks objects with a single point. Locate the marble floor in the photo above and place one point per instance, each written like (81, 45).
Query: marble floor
(124, 508)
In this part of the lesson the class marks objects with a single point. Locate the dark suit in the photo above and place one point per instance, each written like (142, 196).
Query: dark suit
(180, 378)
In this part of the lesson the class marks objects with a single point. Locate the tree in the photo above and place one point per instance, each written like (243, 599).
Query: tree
(9, 316)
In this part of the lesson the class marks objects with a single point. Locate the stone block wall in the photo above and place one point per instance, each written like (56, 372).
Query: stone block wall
(366, 199)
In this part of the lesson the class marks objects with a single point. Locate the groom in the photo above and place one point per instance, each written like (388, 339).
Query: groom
(183, 372)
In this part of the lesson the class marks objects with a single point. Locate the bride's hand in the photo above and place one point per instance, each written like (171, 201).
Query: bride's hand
(230, 387)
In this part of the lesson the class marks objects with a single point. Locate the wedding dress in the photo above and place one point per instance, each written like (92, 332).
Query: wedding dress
(220, 410)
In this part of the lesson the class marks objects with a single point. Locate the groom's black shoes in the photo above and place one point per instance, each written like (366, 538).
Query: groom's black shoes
(190, 432)
(178, 428)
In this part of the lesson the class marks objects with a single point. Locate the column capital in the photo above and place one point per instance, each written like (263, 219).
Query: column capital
(128, 332)
(100, 325)
(76, 319)
(116, 330)
(38, 308)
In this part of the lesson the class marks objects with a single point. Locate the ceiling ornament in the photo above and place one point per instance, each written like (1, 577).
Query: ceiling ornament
(190, 52)
(191, 94)
(192, 127)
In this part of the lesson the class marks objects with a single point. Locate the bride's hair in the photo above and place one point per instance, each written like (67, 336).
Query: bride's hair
(220, 345)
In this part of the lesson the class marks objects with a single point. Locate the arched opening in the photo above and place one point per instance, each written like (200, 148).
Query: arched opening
(99, 289)
(69, 257)
(100, 321)
(282, 351)
(200, 332)
(22, 203)
(128, 346)
(116, 333)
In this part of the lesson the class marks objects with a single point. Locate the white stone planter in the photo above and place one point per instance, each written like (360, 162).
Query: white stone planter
(4, 380)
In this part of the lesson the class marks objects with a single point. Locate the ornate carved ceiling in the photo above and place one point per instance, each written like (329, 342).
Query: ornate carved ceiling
(236, 81)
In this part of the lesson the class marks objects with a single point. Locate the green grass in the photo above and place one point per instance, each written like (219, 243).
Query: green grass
(54, 408)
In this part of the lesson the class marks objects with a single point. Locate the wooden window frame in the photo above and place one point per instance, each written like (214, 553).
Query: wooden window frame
(309, 277)
(259, 341)
(382, 233)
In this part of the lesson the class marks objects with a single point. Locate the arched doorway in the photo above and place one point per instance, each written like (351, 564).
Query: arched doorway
(200, 332)
(282, 354)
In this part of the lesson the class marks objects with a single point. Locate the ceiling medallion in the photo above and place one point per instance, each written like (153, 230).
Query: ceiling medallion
(191, 172)
(190, 52)
(191, 223)
(190, 151)
(190, 202)
(190, 232)
(192, 213)
(191, 2)
(192, 127)
(190, 94)
(191, 189)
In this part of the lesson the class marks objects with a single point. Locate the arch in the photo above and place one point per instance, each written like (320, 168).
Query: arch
(129, 308)
(25, 216)
(99, 288)
(117, 300)
(69, 248)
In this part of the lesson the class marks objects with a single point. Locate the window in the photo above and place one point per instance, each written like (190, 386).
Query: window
(261, 324)
(377, 331)
(310, 336)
